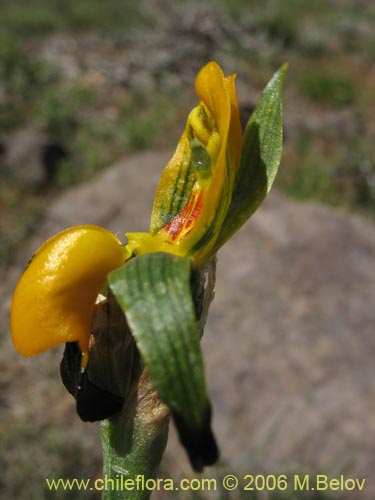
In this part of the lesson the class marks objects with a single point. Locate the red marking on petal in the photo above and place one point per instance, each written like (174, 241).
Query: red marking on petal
(184, 220)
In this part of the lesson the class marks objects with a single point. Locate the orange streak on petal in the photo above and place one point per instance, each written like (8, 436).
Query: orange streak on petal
(185, 219)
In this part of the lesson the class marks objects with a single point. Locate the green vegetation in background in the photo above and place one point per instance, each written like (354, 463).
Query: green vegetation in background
(95, 142)
(36, 17)
(309, 35)
(311, 177)
(309, 26)
(328, 89)
(341, 179)
(282, 20)
(22, 81)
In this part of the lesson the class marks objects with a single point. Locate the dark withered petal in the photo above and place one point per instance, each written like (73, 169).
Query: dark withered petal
(70, 367)
(199, 443)
(93, 403)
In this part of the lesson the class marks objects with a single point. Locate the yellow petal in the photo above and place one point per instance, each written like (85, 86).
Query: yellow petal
(235, 129)
(211, 88)
(55, 296)
(141, 243)
(196, 186)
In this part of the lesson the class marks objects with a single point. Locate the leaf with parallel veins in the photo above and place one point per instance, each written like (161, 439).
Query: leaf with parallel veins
(155, 294)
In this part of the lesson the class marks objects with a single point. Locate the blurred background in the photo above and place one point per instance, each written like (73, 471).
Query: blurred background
(84, 84)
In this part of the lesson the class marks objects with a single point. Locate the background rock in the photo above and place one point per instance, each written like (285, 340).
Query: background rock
(288, 346)
(22, 155)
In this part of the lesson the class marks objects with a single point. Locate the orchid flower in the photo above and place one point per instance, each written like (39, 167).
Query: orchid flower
(215, 180)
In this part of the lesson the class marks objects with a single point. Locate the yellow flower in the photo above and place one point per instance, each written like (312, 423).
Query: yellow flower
(196, 187)
(55, 297)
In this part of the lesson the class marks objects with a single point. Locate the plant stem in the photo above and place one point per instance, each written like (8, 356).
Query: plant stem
(133, 443)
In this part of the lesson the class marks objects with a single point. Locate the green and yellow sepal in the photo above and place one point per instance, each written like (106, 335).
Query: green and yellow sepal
(195, 189)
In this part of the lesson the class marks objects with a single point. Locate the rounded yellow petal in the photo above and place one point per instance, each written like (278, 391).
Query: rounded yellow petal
(55, 296)
(212, 88)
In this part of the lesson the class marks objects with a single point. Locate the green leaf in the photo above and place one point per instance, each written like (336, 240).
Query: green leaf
(155, 294)
(260, 159)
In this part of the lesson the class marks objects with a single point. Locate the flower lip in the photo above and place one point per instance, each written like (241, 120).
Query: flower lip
(55, 296)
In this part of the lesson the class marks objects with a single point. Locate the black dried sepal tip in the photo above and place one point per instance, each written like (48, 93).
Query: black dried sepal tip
(200, 443)
(93, 403)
